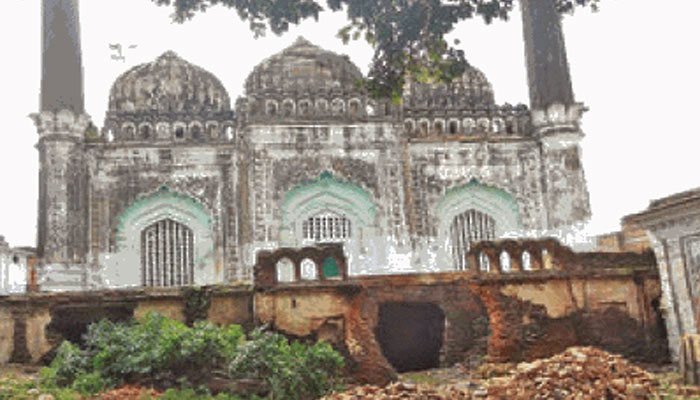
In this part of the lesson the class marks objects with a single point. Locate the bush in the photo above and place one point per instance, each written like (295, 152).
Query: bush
(191, 394)
(90, 384)
(69, 363)
(157, 346)
(159, 351)
(288, 371)
(153, 350)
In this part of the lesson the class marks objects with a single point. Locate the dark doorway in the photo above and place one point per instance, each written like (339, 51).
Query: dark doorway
(410, 335)
(71, 321)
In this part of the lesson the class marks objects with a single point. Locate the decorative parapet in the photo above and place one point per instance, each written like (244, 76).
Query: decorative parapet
(477, 122)
(508, 256)
(501, 260)
(558, 116)
(307, 264)
(64, 122)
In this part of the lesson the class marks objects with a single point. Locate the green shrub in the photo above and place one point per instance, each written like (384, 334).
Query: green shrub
(289, 371)
(163, 352)
(90, 384)
(192, 394)
(69, 363)
(158, 349)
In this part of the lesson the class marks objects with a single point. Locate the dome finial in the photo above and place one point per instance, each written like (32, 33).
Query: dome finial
(169, 54)
(301, 41)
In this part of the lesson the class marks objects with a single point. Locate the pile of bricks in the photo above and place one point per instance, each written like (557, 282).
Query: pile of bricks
(577, 373)
(403, 391)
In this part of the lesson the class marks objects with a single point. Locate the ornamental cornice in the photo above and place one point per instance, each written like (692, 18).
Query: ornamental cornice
(63, 122)
(558, 115)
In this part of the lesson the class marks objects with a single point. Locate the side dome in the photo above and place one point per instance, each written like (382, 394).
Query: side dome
(168, 84)
(303, 67)
(469, 90)
(168, 98)
(306, 84)
(463, 108)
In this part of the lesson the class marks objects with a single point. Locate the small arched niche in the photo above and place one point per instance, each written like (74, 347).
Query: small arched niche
(284, 270)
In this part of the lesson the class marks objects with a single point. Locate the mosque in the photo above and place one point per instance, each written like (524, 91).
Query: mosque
(182, 186)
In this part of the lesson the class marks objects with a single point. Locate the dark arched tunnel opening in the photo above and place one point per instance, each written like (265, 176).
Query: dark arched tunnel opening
(70, 322)
(410, 335)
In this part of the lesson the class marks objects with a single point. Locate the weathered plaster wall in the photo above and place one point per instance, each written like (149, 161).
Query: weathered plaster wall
(284, 158)
(7, 328)
(32, 324)
(300, 312)
(171, 308)
(123, 177)
(37, 342)
(511, 314)
(231, 308)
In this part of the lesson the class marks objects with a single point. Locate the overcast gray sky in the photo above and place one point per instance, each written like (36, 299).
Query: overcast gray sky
(635, 64)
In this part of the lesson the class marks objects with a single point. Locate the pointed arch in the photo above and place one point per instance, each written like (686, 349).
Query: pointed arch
(490, 200)
(164, 209)
(325, 195)
(473, 212)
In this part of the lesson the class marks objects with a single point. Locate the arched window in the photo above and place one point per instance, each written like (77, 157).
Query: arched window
(288, 108)
(196, 132)
(454, 127)
(469, 227)
(354, 107)
(167, 254)
(213, 131)
(408, 126)
(304, 107)
(145, 131)
(338, 107)
(424, 128)
(326, 227)
(129, 132)
(439, 128)
(271, 107)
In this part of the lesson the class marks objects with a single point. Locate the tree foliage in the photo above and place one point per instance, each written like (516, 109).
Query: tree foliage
(408, 36)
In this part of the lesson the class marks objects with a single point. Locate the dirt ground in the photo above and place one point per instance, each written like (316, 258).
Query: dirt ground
(443, 383)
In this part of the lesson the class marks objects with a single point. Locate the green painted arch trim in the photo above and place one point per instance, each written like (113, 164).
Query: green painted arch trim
(164, 197)
(324, 181)
(481, 190)
(327, 192)
(493, 201)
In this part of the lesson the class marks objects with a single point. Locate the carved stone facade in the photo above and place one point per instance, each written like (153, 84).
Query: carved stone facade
(305, 150)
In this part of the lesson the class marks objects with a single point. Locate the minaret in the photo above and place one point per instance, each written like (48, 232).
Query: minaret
(555, 115)
(62, 71)
(62, 124)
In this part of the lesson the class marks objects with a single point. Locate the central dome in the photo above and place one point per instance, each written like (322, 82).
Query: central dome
(303, 67)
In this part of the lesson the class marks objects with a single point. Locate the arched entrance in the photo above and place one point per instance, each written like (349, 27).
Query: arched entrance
(410, 335)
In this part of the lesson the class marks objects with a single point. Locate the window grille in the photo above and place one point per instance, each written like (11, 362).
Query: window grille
(469, 227)
(326, 227)
(167, 254)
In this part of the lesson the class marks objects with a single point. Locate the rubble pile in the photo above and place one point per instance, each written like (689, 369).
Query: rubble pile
(129, 392)
(577, 373)
(401, 390)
